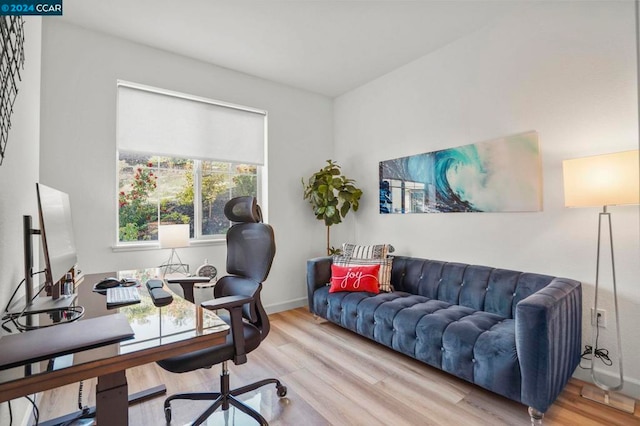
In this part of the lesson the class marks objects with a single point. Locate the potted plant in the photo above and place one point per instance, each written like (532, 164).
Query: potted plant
(331, 196)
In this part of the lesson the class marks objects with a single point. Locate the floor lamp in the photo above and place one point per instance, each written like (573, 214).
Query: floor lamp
(173, 237)
(604, 180)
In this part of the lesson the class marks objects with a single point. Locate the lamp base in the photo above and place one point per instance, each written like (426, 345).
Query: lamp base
(174, 268)
(612, 399)
(174, 264)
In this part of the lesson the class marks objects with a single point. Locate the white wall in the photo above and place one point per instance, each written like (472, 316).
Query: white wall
(18, 177)
(565, 69)
(79, 73)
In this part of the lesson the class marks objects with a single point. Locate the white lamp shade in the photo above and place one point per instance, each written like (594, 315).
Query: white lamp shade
(602, 180)
(173, 236)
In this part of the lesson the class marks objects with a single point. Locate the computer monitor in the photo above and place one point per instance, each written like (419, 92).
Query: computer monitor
(56, 231)
(58, 244)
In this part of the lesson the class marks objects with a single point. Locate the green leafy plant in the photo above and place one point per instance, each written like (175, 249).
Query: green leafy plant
(332, 196)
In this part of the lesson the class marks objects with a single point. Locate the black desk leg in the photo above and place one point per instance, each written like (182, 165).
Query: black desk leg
(187, 288)
(112, 402)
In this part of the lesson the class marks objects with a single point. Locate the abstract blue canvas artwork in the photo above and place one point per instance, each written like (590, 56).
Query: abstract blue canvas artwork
(501, 175)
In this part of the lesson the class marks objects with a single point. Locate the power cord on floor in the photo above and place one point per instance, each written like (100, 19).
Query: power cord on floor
(600, 353)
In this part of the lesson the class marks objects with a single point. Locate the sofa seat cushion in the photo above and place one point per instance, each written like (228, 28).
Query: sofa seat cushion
(474, 345)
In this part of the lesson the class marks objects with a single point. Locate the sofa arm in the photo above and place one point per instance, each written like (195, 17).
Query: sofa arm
(548, 340)
(318, 275)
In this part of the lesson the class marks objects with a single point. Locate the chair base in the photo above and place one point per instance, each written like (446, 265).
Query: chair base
(225, 398)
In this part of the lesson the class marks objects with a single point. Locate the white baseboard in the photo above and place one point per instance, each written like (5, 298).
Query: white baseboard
(631, 386)
(285, 306)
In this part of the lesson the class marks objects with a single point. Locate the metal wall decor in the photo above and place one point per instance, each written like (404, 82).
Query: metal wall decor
(11, 61)
(501, 175)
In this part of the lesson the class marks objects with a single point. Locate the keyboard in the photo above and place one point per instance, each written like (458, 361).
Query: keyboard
(118, 296)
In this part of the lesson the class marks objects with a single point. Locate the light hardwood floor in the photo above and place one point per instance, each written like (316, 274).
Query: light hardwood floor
(336, 377)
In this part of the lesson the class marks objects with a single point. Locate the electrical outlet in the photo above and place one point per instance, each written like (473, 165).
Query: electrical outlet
(600, 317)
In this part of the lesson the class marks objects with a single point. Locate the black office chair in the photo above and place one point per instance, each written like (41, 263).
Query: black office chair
(250, 252)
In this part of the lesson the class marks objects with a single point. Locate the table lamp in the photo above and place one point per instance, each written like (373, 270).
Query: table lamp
(604, 180)
(173, 237)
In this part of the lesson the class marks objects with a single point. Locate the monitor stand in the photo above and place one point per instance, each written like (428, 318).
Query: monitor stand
(43, 304)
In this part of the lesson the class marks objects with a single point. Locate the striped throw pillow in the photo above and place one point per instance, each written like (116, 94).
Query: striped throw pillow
(376, 251)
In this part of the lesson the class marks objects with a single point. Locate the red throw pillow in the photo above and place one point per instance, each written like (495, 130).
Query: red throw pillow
(354, 278)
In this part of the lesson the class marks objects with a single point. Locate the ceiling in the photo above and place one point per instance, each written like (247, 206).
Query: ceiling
(327, 47)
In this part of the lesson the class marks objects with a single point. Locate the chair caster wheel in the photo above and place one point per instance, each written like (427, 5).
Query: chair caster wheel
(282, 391)
(167, 414)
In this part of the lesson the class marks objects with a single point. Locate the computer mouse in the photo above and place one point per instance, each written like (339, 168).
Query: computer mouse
(107, 283)
(128, 282)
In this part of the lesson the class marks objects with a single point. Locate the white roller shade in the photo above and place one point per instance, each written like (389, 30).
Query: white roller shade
(154, 121)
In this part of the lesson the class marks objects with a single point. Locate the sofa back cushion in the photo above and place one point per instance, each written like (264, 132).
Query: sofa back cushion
(478, 287)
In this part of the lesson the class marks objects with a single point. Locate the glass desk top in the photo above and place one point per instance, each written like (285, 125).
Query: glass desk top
(156, 331)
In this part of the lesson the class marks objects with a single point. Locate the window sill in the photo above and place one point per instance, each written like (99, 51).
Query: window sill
(153, 245)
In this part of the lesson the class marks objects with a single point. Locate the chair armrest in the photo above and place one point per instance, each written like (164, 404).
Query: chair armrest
(234, 305)
(318, 275)
(226, 302)
(548, 340)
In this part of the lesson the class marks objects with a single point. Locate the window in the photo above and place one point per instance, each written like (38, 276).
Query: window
(180, 159)
(156, 190)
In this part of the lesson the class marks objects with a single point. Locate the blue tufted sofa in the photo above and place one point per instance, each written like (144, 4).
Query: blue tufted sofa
(516, 334)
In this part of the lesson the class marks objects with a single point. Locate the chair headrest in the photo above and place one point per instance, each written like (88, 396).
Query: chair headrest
(243, 210)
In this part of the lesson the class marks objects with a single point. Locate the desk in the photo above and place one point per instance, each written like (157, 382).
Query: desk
(175, 329)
